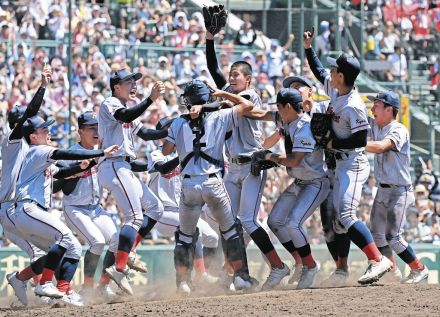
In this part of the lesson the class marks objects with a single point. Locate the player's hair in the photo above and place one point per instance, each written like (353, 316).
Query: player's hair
(298, 107)
(27, 137)
(245, 67)
(348, 80)
(395, 110)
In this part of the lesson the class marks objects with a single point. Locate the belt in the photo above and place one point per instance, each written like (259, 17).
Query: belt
(341, 156)
(209, 176)
(241, 160)
(33, 202)
(385, 185)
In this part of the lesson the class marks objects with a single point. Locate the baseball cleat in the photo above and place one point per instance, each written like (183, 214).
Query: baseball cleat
(107, 292)
(296, 268)
(337, 279)
(120, 278)
(393, 276)
(416, 276)
(275, 277)
(184, 289)
(241, 284)
(72, 298)
(375, 270)
(135, 263)
(19, 287)
(307, 276)
(205, 278)
(49, 290)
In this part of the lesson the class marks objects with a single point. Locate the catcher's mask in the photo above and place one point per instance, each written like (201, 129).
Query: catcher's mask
(196, 92)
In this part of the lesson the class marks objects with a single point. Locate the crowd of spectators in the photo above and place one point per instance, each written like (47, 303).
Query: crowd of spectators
(162, 23)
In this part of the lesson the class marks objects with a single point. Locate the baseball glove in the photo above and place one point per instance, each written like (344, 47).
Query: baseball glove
(164, 123)
(321, 126)
(259, 162)
(215, 18)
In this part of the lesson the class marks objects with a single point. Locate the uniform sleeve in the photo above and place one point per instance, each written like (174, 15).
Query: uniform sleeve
(303, 140)
(399, 136)
(172, 132)
(111, 106)
(137, 124)
(357, 119)
(229, 118)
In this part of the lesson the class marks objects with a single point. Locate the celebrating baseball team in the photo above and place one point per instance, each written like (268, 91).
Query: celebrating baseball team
(212, 166)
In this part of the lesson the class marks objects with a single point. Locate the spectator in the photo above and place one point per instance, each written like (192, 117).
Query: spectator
(246, 35)
(323, 40)
(399, 68)
(390, 39)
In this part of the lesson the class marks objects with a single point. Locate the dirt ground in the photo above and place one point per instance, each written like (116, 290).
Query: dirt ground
(385, 300)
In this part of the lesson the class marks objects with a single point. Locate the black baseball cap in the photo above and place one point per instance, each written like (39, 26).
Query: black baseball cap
(297, 79)
(15, 114)
(289, 95)
(87, 118)
(123, 75)
(388, 97)
(33, 123)
(347, 65)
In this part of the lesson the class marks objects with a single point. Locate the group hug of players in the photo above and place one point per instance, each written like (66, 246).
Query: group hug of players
(188, 180)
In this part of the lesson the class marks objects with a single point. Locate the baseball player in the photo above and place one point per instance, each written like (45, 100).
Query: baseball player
(298, 202)
(167, 187)
(391, 145)
(195, 139)
(14, 149)
(33, 199)
(117, 125)
(338, 244)
(82, 210)
(350, 128)
(245, 189)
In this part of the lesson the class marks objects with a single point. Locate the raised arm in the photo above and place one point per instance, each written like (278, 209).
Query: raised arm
(35, 104)
(211, 61)
(129, 114)
(314, 62)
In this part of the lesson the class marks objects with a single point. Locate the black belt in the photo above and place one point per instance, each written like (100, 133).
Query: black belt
(209, 176)
(341, 156)
(241, 160)
(385, 185)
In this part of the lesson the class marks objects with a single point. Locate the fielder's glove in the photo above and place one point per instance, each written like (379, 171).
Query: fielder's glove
(260, 163)
(164, 123)
(215, 18)
(321, 126)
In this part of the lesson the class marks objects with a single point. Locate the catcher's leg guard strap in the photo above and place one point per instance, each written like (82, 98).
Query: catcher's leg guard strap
(236, 248)
(184, 254)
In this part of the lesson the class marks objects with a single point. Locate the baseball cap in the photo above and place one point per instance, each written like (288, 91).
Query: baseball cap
(87, 118)
(163, 59)
(346, 64)
(33, 123)
(297, 79)
(289, 95)
(389, 97)
(15, 114)
(123, 75)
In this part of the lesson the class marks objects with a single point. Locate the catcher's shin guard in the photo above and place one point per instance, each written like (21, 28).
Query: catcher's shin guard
(184, 255)
(236, 249)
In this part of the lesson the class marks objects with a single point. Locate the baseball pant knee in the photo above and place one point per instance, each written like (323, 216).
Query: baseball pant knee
(397, 243)
(72, 245)
(379, 239)
(279, 229)
(97, 248)
(113, 243)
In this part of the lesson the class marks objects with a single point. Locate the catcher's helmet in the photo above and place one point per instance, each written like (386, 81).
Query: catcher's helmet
(15, 114)
(196, 92)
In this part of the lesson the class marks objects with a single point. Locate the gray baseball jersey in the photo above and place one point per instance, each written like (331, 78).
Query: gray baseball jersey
(350, 113)
(247, 135)
(114, 132)
(392, 167)
(87, 190)
(216, 124)
(35, 178)
(320, 107)
(13, 154)
(312, 166)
